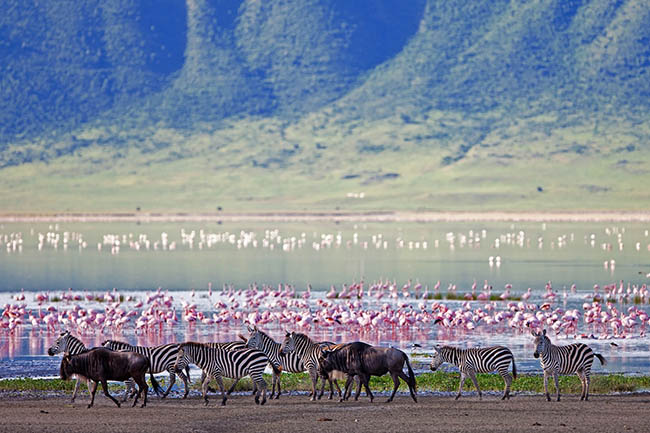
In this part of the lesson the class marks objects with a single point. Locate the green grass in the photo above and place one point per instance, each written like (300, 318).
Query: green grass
(225, 168)
(436, 381)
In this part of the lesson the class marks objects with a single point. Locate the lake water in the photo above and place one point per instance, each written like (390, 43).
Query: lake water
(185, 259)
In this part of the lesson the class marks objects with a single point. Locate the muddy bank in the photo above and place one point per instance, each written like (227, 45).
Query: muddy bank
(54, 413)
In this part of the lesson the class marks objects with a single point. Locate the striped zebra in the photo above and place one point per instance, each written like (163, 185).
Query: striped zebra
(230, 345)
(162, 358)
(555, 360)
(279, 362)
(309, 351)
(477, 360)
(72, 345)
(219, 362)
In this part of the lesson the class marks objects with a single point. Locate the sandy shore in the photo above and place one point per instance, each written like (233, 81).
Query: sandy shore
(613, 413)
(375, 216)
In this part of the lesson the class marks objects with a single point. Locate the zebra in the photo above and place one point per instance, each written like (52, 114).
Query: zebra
(555, 360)
(162, 358)
(219, 362)
(309, 351)
(230, 345)
(279, 362)
(477, 360)
(72, 345)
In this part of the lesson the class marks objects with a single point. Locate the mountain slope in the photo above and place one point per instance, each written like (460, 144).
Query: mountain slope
(300, 103)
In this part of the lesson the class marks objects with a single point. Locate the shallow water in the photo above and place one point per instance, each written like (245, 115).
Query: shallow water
(320, 255)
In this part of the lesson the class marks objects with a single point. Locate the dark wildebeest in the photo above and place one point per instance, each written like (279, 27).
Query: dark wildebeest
(101, 365)
(363, 360)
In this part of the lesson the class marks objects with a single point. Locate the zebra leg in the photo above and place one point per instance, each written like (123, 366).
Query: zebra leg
(105, 388)
(278, 394)
(587, 383)
(314, 382)
(232, 388)
(186, 381)
(222, 389)
(460, 388)
(508, 380)
(396, 385)
(557, 384)
(172, 380)
(322, 387)
(472, 376)
(92, 395)
(260, 386)
(548, 396)
(204, 386)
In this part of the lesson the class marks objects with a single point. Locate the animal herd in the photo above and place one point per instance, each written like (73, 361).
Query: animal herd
(354, 362)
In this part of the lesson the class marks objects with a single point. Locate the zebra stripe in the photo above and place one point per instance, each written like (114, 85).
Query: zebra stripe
(229, 363)
(162, 358)
(309, 351)
(72, 345)
(279, 362)
(477, 360)
(572, 359)
(230, 345)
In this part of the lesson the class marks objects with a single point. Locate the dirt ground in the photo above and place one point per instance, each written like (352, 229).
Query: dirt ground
(613, 413)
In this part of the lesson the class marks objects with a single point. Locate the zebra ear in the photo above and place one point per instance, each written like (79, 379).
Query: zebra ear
(533, 333)
(249, 328)
(544, 333)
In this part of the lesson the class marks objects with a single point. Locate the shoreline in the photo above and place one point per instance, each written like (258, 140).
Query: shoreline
(295, 414)
(333, 216)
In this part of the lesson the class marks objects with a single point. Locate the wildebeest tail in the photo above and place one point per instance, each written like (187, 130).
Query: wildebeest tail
(602, 359)
(412, 381)
(155, 384)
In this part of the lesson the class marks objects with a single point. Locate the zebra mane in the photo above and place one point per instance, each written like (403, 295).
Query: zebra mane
(303, 338)
(118, 343)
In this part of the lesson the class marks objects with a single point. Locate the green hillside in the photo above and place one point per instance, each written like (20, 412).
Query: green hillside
(305, 105)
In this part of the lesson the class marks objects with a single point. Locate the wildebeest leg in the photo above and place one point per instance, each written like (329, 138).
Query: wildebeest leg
(346, 389)
(408, 382)
(338, 388)
(472, 376)
(395, 386)
(92, 395)
(105, 388)
(144, 389)
(365, 379)
(460, 388)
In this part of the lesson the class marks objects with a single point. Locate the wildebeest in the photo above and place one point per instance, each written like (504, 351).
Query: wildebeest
(363, 360)
(101, 365)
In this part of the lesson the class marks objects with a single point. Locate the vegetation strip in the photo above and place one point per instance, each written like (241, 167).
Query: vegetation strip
(431, 382)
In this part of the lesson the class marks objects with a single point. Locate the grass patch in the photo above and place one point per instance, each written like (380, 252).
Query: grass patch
(435, 381)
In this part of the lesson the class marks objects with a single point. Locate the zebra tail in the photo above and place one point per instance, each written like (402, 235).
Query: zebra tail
(602, 359)
(155, 384)
(187, 373)
(412, 380)
(514, 369)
